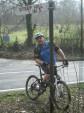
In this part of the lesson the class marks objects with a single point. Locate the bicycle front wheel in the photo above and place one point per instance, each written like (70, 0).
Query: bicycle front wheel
(32, 87)
(62, 97)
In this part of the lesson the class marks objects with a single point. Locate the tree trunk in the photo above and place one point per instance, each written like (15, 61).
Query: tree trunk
(29, 27)
(29, 30)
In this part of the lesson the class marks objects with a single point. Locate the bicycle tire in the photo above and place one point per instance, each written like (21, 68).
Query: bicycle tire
(57, 101)
(30, 89)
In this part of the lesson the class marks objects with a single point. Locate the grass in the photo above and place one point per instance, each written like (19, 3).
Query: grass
(20, 35)
(21, 94)
(17, 101)
(12, 96)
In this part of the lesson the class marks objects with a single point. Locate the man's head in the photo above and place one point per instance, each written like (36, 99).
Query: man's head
(39, 37)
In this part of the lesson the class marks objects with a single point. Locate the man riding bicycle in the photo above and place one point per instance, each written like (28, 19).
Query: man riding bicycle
(36, 86)
(42, 54)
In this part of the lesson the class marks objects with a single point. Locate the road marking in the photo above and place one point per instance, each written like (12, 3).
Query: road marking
(20, 89)
(8, 90)
(75, 82)
(14, 72)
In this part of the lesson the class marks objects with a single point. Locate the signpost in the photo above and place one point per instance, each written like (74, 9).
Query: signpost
(51, 8)
(81, 40)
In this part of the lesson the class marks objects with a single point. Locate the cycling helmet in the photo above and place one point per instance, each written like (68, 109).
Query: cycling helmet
(37, 35)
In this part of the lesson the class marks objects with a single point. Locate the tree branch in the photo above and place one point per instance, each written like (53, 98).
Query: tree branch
(24, 1)
(34, 1)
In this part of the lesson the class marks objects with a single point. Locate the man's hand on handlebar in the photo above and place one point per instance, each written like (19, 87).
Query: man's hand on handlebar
(65, 62)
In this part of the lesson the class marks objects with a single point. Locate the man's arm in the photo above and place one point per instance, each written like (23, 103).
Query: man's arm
(37, 57)
(38, 61)
(61, 54)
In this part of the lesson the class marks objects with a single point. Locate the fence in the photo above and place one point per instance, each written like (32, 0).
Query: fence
(70, 46)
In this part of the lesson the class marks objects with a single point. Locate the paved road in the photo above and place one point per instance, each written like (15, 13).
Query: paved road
(13, 73)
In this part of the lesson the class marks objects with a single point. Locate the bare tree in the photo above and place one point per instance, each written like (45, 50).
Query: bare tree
(28, 16)
(28, 21)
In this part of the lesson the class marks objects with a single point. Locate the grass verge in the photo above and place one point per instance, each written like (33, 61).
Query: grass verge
(18, 102)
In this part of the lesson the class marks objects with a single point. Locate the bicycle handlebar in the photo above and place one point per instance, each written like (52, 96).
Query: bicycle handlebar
(54, 66)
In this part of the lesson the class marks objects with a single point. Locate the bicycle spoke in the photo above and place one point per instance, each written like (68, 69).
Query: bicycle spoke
(32, 87)
(62, 95)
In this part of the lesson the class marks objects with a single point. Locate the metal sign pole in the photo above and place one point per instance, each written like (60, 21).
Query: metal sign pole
(51, 8)
(81, 41)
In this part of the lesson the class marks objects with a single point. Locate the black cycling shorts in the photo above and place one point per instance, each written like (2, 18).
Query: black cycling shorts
(46, 69)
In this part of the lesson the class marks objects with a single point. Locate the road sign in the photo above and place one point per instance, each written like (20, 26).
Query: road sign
(29, 9)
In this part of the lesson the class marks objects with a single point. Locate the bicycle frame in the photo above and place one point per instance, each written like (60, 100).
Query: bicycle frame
(40, 72)
(57, 88)
(55, 73)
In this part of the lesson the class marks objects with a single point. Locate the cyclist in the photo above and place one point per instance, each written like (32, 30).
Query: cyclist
(42, 54)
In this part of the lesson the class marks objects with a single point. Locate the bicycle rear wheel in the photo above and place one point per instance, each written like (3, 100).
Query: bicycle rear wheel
(32, 87)
(62, 97)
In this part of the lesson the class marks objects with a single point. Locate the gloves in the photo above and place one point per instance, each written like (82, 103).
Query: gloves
(65, 62)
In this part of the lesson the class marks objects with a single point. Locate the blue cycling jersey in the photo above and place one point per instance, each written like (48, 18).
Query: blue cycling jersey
(45, 53)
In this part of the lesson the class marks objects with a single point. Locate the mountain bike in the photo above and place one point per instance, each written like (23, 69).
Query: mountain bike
(35, 87)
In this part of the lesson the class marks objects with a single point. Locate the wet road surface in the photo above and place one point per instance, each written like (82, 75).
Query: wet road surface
(13, 73)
